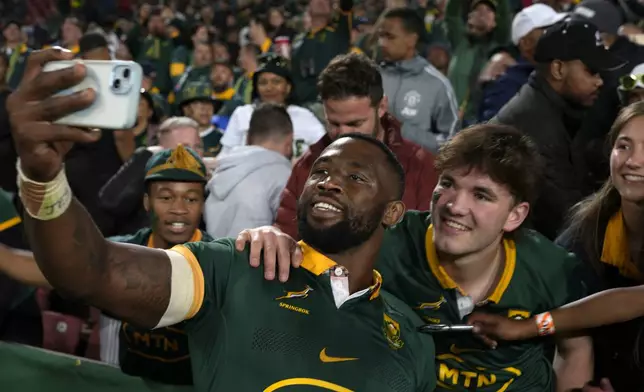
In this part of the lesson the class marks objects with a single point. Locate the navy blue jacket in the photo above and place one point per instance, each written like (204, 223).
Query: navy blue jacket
(498, 92)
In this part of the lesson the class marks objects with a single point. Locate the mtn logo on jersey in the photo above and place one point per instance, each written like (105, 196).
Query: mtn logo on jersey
(296, 294)
(432, 305)
(391, 330)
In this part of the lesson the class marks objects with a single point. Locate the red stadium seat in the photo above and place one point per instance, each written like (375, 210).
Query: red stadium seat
(61, 333)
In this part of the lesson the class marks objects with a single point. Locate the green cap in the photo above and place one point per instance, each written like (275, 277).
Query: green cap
(195, 91)
(177, 164)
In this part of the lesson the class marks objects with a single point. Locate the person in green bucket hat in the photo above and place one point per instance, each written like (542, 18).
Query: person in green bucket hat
(195, 101)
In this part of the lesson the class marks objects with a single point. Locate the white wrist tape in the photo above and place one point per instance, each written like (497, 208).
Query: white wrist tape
(182, 290)
(44, 200)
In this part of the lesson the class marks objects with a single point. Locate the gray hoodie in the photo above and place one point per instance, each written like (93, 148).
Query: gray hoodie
(422, 99)
(245, 190)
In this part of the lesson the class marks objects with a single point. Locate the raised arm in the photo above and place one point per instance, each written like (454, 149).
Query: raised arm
(130, 282)
(604, 308)
(20, 266)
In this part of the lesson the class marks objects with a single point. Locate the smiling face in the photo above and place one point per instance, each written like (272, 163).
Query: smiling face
(175, 209)
(471, 212)
(272, 88)
(348, 196)
(221, 76)
(627, 161)
(201, 111)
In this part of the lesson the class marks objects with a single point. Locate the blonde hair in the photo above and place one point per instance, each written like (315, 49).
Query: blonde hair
(177, 122)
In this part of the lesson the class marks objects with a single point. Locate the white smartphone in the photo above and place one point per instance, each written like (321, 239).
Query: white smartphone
(118, 90)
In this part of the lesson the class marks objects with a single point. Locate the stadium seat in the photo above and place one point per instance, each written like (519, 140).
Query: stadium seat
(61, 333)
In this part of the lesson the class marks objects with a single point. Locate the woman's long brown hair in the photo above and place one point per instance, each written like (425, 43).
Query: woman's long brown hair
(586, 215)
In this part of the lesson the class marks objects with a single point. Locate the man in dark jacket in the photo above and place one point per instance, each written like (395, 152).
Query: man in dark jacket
(550, 109)
(353, 98)
(608, 19)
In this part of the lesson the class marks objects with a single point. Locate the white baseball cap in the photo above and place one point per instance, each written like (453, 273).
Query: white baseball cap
(533, 17)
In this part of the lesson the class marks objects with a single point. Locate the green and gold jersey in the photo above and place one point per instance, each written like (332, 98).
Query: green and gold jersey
(9, 217)
(160, 355)
(250, 334)
(312, 51)
(211, 139)
(158, 52)
(17, 65)
(181, 60)
(538, 276)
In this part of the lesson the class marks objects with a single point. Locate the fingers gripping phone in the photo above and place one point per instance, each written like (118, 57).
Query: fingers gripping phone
(118, 89)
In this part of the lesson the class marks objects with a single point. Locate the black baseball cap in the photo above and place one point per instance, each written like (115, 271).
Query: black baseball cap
(605, 15)
(576, 40)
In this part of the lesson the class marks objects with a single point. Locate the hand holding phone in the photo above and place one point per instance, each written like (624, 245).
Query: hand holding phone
(118, 90)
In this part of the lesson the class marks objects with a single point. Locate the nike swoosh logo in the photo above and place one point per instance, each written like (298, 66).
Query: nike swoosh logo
(327, 359)
(457, 351)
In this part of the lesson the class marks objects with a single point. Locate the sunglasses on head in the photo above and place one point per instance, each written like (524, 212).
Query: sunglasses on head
(629, 82)
(273, 59)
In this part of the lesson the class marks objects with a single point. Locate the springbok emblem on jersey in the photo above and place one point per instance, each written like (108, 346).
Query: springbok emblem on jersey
(391, 330)
(296, 294)
(432, 305)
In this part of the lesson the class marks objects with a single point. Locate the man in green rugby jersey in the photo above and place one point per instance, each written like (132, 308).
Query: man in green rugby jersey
(329, 327)
(470, 253)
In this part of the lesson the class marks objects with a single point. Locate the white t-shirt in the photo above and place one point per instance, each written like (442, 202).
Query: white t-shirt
(109, 331)
(307, 129)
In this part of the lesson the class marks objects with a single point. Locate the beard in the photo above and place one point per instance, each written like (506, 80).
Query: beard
(347, 234)
(374, 132)
(221, 87)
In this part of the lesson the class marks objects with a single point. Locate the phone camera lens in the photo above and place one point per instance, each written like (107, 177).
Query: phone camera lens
(117, 84)
(126, 73)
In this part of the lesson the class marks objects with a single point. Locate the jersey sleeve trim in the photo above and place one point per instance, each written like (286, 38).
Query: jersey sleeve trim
(9, 223)
(198, 280)
(184, 287)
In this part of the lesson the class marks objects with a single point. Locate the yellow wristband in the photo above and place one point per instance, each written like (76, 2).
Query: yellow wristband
(44, 200)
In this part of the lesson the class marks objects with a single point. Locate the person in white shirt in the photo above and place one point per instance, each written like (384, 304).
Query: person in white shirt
(272, 84)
